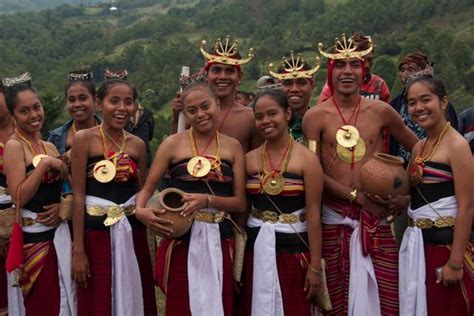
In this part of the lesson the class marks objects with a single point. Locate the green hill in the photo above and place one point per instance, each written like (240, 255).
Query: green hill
(153, 39)
(11, 6)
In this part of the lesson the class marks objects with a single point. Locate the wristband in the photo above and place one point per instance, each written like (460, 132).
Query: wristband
(454, 267)
(314, 270)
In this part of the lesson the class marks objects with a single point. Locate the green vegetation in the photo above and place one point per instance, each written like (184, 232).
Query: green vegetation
(153, 39)
(10, 6)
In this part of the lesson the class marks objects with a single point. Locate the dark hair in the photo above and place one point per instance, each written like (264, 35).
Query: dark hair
(11, 94)
(87, 84)
(2, 87)
(108, 84)
(197, 86)
(278, 95)
(435, 85)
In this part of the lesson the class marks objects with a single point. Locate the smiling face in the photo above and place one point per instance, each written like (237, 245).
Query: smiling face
(201, 110)
(271, 118)
(424, 106)
(118, 105)
(299, 92)
(347, 76)
(79, 102)
(28, 112)
(224, 79)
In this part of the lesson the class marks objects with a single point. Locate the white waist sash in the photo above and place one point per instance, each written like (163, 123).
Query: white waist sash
(412, 270)
(363, 289)
(5, 198)
(266, 291)
(63, 245)
(205, 269)
(127, 294)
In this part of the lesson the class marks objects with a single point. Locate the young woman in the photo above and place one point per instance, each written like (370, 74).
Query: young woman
(34, 176)
(436, 268)
(111, 262)
(195, 270)
(80, 95)
(6, 130)
(282, 269)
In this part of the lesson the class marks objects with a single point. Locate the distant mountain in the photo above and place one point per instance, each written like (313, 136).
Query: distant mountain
(11, 6)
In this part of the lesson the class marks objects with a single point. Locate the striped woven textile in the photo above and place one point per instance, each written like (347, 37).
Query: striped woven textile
(34, 260)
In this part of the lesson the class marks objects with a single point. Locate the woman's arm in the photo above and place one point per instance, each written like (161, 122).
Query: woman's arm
(79, 156)
(463, 172)
(313, 184)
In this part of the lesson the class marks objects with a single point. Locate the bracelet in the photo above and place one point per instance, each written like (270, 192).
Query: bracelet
(454, 267)
(353, 195)
(314, 270)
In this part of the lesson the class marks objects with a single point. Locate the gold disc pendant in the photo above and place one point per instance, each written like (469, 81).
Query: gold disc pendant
(347, 136)
(273, 184)
(352, 154)
(36, 159)
(104, 171)
(199, 166)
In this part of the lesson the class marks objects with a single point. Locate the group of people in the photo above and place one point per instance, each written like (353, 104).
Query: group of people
(281, 222)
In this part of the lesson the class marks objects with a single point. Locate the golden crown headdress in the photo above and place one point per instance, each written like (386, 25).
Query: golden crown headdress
(345, 49)
(224, 53)
(13, 81)
(294, 68)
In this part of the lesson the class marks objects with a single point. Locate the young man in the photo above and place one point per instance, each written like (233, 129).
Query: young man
(296, 78)
(224, 72)
(358, 246)
(373, 86)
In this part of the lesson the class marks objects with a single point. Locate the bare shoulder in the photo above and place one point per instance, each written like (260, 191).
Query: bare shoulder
(302, 151)
(244, 111)
(318, 111)
(457, 143)
(232, 142)
(253, 153)
(51, 148)
(13, 144)
(135, 140)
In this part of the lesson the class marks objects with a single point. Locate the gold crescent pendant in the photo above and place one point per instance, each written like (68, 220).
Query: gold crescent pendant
(273, 184)
(199, 166)
(352, 154)
(347, 136)
(36, 159)
(104, 171)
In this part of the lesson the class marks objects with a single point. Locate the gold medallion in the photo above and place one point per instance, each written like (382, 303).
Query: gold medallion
(347, 136)
(36, 159)
(352, 154)
(199, 166)
(104, 171)
(273, 184)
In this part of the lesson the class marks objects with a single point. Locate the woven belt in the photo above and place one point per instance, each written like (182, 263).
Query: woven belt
(114, 213)
(28, 221)
(209, 217)
(272, 217)
(426, 223)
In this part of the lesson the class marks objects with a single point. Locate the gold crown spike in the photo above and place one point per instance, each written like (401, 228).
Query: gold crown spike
(223, 53)
(13, 81)
(345, 49)
(293, 68)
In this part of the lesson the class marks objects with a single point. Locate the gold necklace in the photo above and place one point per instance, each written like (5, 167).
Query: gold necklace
(416, 170)
(105, 170)
(200, 165)
(272, 181)
(36, 155)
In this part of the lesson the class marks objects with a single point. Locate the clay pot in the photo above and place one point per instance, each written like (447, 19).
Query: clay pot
(384, 175)
(170, 200)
